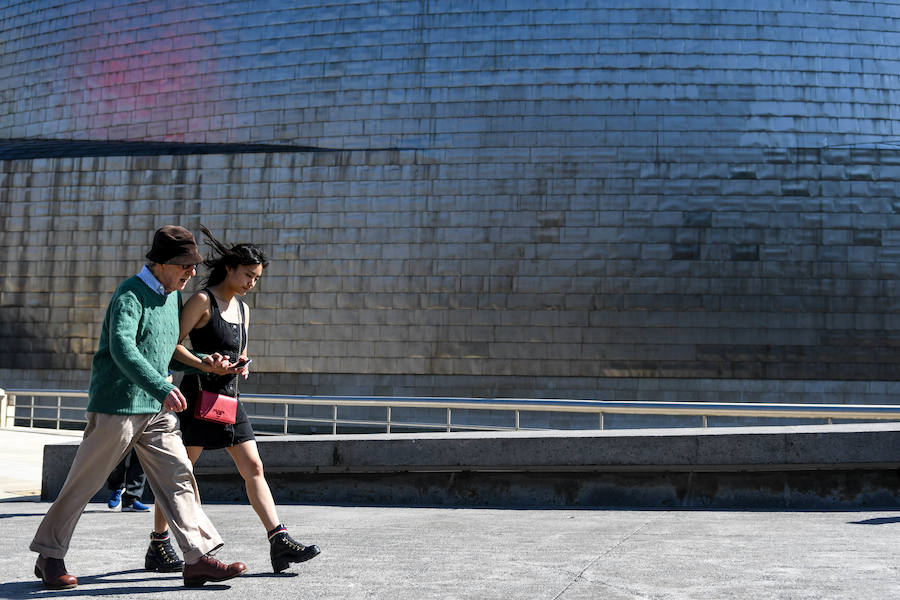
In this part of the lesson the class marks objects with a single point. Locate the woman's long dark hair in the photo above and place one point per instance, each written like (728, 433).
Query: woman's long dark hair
(222, 257)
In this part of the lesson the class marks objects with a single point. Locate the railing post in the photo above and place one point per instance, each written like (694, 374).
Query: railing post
(517, 420)
(286, 405)
(388, 424)
(3, 407)
(334, 420)
(600, 419)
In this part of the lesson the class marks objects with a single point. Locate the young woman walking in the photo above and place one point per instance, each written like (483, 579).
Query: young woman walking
(217, 320)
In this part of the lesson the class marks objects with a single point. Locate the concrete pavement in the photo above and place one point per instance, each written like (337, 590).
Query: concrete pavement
(426, 553)
(21, 457)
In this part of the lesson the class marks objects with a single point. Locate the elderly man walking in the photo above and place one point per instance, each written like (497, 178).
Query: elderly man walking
(131, 405)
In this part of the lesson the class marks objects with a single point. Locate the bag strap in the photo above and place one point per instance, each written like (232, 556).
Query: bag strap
(242, 339)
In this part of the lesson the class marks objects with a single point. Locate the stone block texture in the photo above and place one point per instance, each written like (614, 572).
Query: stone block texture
(470, 198)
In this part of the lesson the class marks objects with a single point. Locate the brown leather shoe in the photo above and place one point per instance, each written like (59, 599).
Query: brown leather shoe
(210, 569)
(52, 571)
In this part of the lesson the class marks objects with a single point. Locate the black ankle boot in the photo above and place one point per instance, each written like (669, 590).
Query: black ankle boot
(285, 550)
(161, 557)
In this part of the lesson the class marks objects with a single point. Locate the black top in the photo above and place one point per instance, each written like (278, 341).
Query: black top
(218, 335)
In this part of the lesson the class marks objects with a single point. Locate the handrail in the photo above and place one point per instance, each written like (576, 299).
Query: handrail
(828, 412)
(733, 409)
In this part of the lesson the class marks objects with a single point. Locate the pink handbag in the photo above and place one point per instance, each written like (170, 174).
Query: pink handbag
(217, 408)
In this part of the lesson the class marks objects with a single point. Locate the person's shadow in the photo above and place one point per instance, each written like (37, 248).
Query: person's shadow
(109, 584)
(116, 583)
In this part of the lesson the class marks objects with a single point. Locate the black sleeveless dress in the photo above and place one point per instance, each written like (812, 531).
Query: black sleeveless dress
(218, 335)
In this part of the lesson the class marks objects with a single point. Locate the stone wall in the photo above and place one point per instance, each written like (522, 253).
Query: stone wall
(545, 200)
(524, 76)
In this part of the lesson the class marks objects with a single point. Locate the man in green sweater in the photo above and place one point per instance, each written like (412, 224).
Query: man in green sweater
(131, 405)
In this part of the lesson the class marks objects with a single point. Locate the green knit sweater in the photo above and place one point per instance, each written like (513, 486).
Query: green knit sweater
(139, 335)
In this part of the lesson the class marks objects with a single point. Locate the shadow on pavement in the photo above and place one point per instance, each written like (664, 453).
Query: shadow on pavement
(877, 521)
(11, 515)
(113, 585)
(33, 498)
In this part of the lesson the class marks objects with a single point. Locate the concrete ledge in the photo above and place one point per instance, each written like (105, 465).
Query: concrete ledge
(802, 466)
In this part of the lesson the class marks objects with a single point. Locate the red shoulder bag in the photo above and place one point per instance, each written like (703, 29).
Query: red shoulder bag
(220, 408)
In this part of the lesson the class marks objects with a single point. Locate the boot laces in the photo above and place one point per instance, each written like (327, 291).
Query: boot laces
(166, 550)
(292, 543)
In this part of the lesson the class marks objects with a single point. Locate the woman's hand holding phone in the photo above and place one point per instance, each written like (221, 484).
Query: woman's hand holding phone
(240, 367)
(217, 363)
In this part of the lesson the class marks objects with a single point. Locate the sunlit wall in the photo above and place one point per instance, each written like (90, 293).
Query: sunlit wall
(487, 198)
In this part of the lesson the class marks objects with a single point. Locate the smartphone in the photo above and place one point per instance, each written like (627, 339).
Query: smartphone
(241, 363)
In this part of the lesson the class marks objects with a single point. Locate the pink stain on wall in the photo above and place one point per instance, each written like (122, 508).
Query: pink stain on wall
(146, 83)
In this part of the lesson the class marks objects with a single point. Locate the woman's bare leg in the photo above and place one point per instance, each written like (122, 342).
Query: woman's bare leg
(246, 458)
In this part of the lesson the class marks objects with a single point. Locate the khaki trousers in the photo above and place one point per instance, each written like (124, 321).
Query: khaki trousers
(107, 439)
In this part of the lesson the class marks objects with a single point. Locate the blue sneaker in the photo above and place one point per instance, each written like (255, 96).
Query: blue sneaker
(136, 506)
(114, 499)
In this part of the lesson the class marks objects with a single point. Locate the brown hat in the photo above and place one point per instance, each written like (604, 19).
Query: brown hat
(174, 245)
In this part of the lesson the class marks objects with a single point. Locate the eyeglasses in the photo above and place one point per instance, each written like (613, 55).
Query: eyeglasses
(184, 267)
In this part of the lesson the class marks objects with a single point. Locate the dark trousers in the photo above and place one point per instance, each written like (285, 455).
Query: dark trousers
(128, 474)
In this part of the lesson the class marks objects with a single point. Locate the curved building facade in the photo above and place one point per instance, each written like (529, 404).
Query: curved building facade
(665, 200)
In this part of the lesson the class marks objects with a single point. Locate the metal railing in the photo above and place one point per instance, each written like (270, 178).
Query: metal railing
(56, 409)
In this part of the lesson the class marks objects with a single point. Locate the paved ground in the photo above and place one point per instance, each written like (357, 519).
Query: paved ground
(21, 457)
(430, 553)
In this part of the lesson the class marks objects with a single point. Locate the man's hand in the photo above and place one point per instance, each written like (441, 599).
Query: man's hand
(175, 401)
